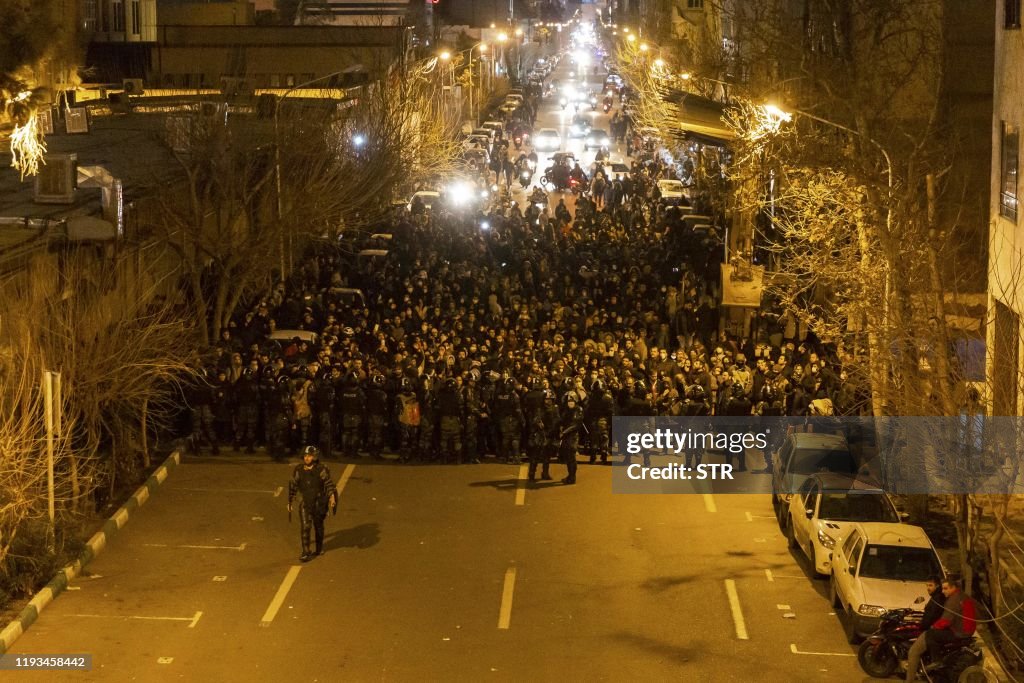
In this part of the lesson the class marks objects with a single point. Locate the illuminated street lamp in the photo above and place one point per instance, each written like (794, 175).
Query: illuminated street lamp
(632, 38)
(643, 47)
(659, 62)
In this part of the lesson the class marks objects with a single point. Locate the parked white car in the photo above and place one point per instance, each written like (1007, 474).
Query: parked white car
(672, 190)
(823, 510)
(877, 568)
(803, 454)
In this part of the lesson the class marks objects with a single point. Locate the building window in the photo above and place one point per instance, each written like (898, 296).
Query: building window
(136, 19)
(1011, 14)
(1010, 153)
(89, 16)
(104, 16)
(694, 4)
(289, 80)
(118, 12)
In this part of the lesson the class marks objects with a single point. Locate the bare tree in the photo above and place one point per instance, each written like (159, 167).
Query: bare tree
(254, 191)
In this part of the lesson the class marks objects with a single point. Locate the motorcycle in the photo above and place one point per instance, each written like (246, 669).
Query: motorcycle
(525, 178)
(607, 107)
(887, 648)
(539, 198)
(564, 102)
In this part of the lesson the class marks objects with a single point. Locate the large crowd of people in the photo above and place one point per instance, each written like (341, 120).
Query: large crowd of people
(510, 333)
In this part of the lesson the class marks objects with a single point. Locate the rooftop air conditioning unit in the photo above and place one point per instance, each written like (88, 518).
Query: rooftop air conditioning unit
(133, 86)
(231, 86)
(57, 180)
(45, 116)
(76, 120)
(214, 112)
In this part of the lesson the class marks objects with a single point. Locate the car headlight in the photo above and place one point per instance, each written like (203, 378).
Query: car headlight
(871, 610)
(826, 540)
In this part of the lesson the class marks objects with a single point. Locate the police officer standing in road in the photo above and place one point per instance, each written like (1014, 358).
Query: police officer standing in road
(376, 415)
(450, 410)
(598, 415)
(247, 398)
(350, 402)
(569, 434)
(312, 480)
(509, 415)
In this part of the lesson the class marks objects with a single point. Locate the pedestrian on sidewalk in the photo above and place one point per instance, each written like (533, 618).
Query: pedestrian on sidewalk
(312, 480)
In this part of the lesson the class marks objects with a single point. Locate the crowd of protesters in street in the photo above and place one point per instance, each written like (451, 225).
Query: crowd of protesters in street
(508, 333)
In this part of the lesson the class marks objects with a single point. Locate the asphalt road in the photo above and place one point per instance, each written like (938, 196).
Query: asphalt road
(436, 573)
(446, 573)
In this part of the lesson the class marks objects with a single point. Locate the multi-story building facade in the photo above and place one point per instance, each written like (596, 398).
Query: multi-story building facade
(1006, 263)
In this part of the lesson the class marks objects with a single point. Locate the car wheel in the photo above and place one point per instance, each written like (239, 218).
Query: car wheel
(814, 562)
(850, 629)
(833, 593)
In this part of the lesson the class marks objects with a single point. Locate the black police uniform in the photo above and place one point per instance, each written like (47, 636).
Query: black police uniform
(315, 485)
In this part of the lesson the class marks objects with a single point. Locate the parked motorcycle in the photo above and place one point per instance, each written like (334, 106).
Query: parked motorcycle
(887, 648)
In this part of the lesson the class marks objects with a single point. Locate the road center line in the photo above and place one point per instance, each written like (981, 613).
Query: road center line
(792, 648)
(709, 503)
(345, 476)
(521, 486)
(190, 489)
(198, 547)
(505, 614)
(737, 613)
(282, 592)
(192, 620)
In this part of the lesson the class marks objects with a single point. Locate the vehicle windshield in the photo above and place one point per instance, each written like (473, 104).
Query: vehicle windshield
(849, 506)
(899, 563)
(811, 460)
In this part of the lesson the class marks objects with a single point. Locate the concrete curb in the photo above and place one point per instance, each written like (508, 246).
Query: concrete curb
(93, 547)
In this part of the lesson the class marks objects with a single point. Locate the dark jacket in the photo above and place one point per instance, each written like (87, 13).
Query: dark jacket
(933, 610)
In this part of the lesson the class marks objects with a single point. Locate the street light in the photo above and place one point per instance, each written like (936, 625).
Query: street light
(780, 115)
(277, 156)
(631, 37)
(643, 47)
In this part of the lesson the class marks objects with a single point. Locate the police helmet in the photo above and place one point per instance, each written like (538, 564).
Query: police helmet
(549, 395)
(696, 393)
(406, 384)
(450, 383)
(597, 386)
(378, 380)
(639, 387)
(571, 397)
(311, 450)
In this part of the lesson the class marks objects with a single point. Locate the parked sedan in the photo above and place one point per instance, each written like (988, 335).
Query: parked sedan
(880, 567)
(672, 191)
(823, 510)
